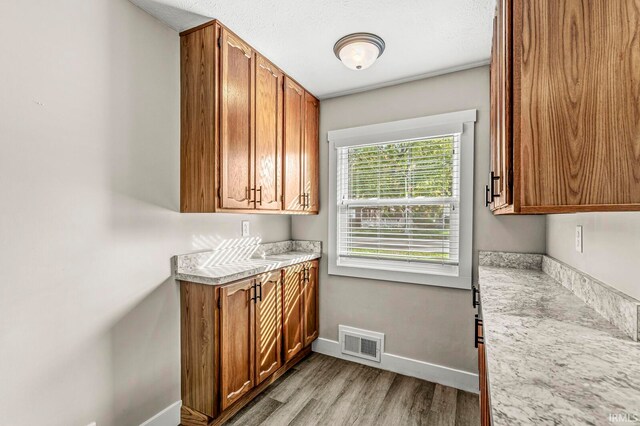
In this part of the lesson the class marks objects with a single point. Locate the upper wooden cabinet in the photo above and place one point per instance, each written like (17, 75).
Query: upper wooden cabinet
(301, 114)
(293, 146)
(247, 143)
(311, 152)
(565, 122)
(268, 145)
(237, 136)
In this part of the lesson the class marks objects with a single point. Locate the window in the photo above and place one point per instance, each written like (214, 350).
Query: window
(397, 202)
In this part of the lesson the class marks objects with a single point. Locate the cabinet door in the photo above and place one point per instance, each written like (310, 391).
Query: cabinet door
(494, 128)
(268, 325)
(268, 137)
(501, 134)
(579, 121)
(485, 409)
(311, 303)
(237, 343)
(236, 122)
(293, 145)
(311, 154)
(293, 311)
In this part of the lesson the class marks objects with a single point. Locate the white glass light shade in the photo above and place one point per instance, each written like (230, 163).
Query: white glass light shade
(359, 55)
(359, 51)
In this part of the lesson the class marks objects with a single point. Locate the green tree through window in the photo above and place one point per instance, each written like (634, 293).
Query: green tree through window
(399, 200)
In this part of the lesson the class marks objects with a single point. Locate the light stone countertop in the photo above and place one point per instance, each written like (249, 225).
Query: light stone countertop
(551, 359)
(233, 263)
(222, 274)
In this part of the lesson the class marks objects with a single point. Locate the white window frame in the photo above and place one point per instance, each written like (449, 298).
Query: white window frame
(462, 123)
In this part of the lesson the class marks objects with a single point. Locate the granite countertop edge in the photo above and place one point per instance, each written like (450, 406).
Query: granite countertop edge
(244, 269)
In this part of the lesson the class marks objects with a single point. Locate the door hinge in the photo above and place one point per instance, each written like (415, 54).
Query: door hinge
(219, 193)
(220, 41)
(219, 302)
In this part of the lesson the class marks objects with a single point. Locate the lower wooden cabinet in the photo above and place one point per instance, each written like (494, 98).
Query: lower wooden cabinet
(300, 307)
(293, 311)
(311, 328)
(238, 338)
(268, 325)
(485, 409)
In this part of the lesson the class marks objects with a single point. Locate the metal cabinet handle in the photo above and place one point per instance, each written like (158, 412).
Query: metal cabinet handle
(307, 197)
(257, 296)
(487, 192)
(478, 339)
(255, 292)
(303, 202)
(492, 179)
(474, 295)
(255, 200)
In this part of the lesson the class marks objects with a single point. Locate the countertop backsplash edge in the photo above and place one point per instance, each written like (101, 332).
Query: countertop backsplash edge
(501, 259)
(621, 310)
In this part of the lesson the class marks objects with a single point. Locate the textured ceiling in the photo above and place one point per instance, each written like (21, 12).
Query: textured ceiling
(423, 37)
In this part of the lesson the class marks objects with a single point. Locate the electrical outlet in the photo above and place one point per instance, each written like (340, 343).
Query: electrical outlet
(579, 238)
(245, 228)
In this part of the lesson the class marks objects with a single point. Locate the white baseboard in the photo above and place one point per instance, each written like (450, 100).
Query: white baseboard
(170, 416)
(409, 367)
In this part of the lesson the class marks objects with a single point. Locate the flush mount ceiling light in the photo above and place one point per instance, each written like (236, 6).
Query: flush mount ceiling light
(359, 51)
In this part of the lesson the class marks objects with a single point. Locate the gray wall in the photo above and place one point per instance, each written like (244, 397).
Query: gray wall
(431, 324)
(611, 246)
(89, 182)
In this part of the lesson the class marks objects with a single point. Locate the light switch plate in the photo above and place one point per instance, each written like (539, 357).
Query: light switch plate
(579, 238)
(245, 228)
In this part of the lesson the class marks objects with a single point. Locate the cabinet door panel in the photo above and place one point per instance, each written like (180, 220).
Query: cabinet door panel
(580, 122)
(236, 122)
(311, 154)
(311, 304)
(494, 84)
(293, 145)
(504, 184)
(485, 409)
(293, 311)
(237, 343)
(501, 134)
(269, 326)
(268, 148)
(198, 124)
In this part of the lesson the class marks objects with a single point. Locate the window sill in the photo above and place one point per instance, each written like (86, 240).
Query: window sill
(411, 274)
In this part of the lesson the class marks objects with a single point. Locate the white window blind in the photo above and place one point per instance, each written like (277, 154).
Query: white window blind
(398, 203)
